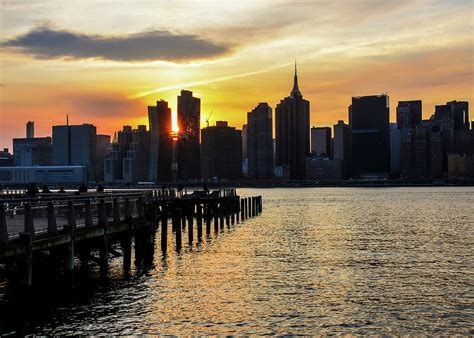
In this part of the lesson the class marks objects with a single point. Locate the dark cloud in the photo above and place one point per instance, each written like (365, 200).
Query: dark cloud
(47, 42)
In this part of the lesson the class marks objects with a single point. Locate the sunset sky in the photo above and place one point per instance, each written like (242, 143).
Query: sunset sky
(103, 62)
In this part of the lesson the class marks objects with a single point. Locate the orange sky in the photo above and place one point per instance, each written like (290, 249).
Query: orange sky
(107, 64)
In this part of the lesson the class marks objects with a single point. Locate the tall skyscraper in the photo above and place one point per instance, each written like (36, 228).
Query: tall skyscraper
(370, 140)
(458, 111)
(103, 145)
(30, 129)
(159, 118)
(259, 142)
(189, 123)
(221, 152)
(395, 134)
(76, 145)
(321, 141)
(342, 146)
(409, 114)
(292, 132)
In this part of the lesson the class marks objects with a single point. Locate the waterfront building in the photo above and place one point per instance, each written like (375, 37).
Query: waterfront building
(323, 168)
(321, 141)
(259, 142)
(394, 150)
(128, 157)
(457, 111)
(188, 148)
(76, 145)
(49, 175)
(32, 151)
(409, 114)
(460, 166)
(292, 131)
(370, 136)
(6, 159)
(221, 152)
(342, 146)
(103, 145)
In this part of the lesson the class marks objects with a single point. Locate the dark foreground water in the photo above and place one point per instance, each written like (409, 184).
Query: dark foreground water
(332, 260)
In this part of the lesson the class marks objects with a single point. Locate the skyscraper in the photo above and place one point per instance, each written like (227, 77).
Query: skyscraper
(458, 111)
(32, 151)
(189, 123)
(259, 143)
(370, 140)
(409, 114)
(342, 146)
(159, 118)
(292, 132)
(76, 145)
(321, 141)
(221, 152)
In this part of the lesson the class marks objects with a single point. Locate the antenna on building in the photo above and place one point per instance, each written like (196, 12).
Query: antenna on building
(209, 117)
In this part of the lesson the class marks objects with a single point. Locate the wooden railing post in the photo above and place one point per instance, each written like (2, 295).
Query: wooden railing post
(3, 226)
(116, 211)
(29, 224)
(52, 225)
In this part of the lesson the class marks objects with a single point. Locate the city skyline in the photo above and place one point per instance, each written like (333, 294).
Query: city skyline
(337, 59)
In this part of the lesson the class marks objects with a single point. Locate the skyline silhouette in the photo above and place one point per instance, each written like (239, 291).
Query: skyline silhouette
(94, 68)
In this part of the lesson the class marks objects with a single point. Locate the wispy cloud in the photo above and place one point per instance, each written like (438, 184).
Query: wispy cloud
(205, 82)
(46, 42)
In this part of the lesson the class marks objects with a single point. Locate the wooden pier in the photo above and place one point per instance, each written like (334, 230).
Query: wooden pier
(90, 227)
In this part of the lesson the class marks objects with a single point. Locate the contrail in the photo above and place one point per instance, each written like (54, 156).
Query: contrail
(203, 82)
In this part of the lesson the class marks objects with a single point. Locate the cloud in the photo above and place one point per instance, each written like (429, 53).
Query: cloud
(46, 42)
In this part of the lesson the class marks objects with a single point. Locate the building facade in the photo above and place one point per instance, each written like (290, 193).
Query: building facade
(321, 141)
(409, 114)
(292, 132)
(342, 146)
(67, 175)
(161, 143)
(221, 152)
(370, 136)
(259, 142)
(188, 148)
(76, 145)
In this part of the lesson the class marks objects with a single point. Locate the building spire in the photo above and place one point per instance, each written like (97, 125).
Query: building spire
(295, 91)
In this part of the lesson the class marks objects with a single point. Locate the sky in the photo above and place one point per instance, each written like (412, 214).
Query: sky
(104, 61)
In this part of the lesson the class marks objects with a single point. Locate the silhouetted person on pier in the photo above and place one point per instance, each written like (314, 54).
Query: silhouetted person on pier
(100, 188)
(61, 190)
(32, 190)
(83, 188)
(45, 190)
(205, 188)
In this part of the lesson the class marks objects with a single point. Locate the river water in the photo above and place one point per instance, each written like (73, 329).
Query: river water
(316, 261)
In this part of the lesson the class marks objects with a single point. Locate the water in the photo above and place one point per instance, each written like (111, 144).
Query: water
(318, 260)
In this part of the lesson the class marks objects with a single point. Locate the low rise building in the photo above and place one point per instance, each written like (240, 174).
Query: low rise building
(49, 175)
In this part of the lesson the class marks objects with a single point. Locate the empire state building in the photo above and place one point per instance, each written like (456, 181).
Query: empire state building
(292, 131)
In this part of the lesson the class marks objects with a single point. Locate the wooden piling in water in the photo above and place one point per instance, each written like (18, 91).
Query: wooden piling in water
(207, 211)
(190, 224)
(216, 217)
(26, 264)
(176, 221)
(199, 221)
(164, 230)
